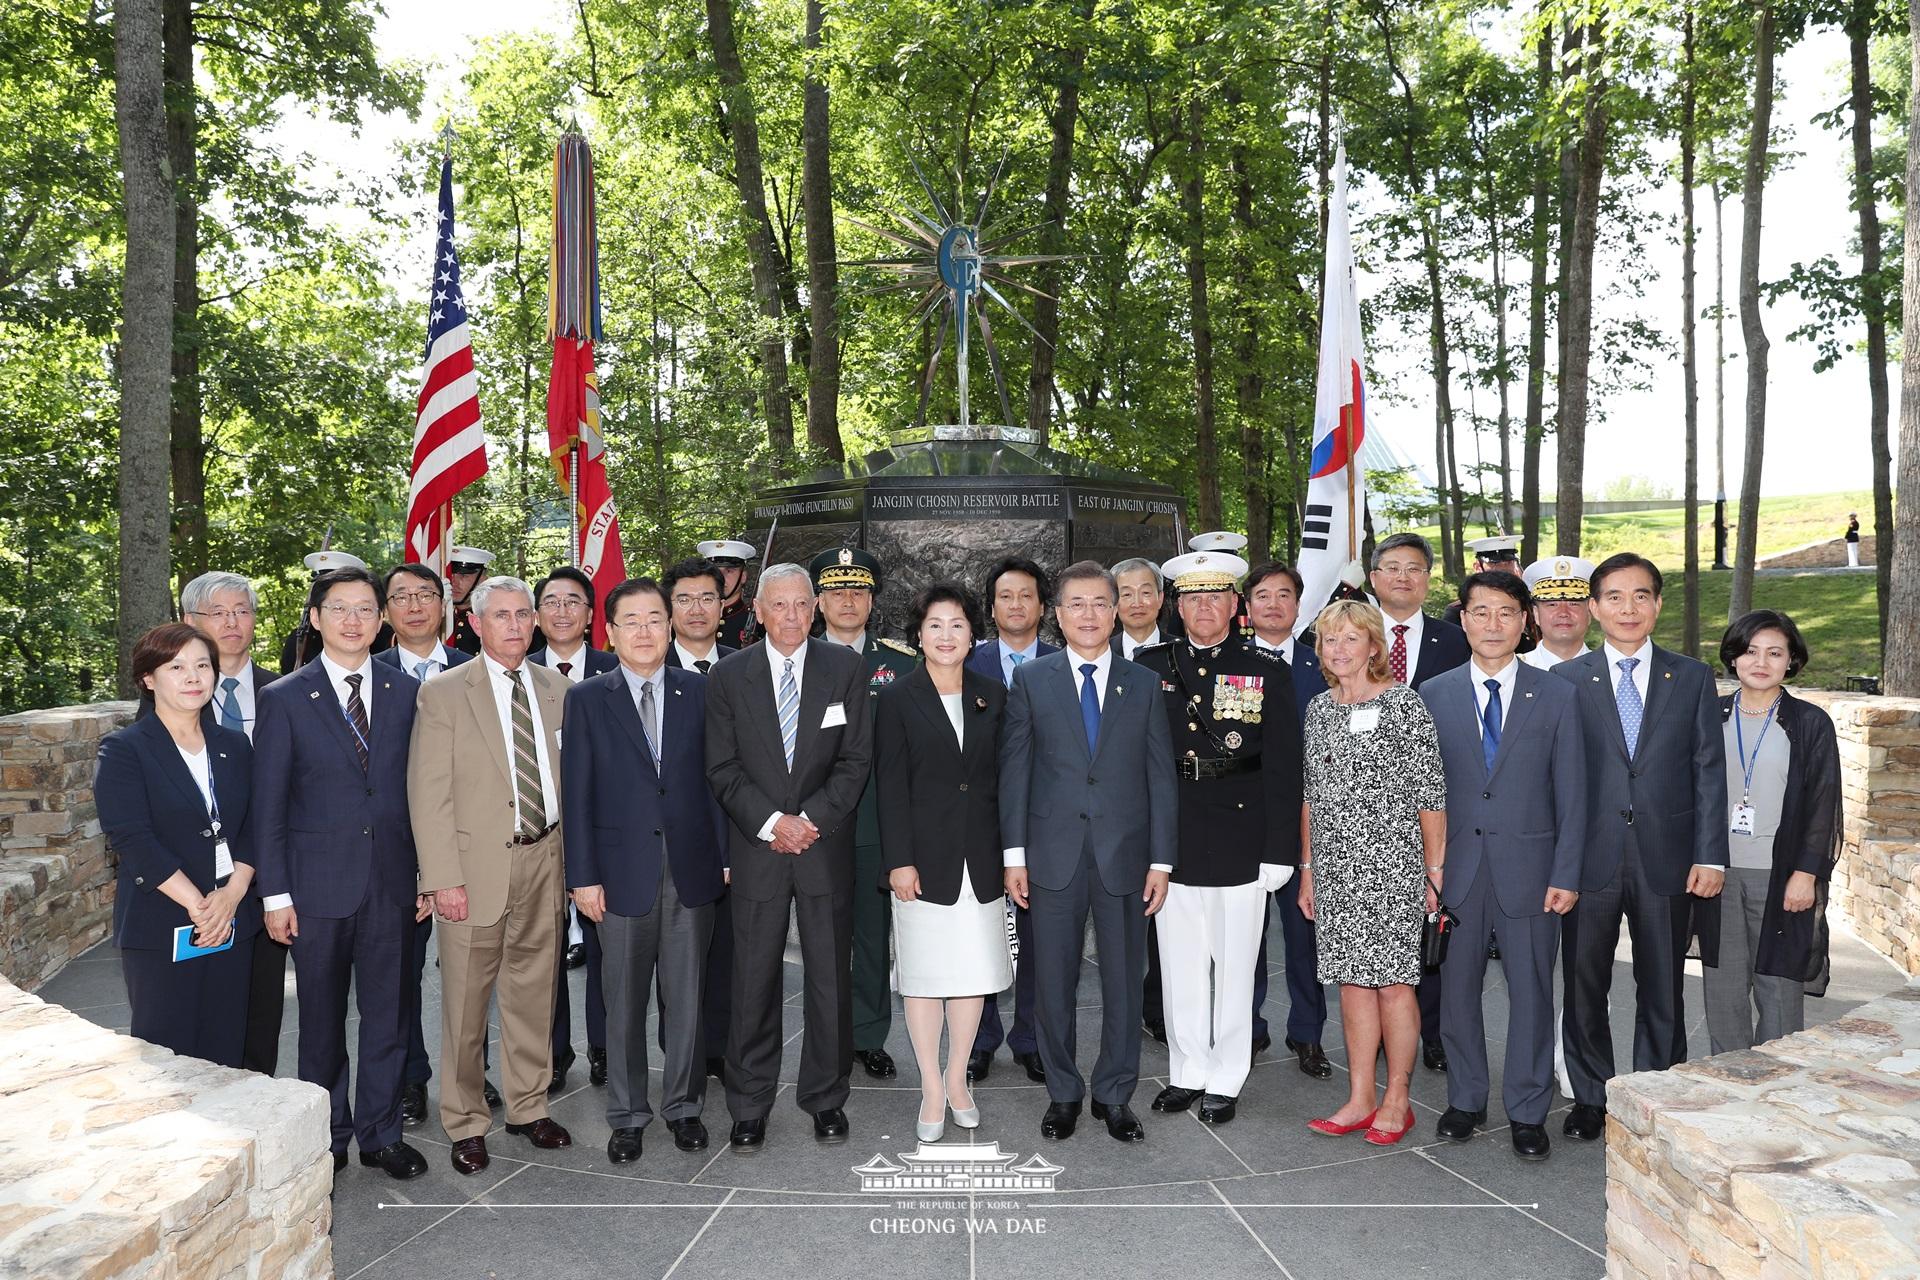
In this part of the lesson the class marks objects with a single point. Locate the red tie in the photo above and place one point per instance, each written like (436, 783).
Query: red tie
(566, 668)
(1397, 656)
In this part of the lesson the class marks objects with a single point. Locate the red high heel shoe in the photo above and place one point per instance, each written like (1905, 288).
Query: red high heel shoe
(1333, 1130)
(1387, 1137)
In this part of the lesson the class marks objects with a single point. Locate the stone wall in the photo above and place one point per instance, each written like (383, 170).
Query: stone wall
(1793, 1160)
(56, 874)
(123, 1161)
(1828, 553)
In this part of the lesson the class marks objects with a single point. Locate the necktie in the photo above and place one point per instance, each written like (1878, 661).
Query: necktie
(1014, 660)
(424, 670)
(789, 711)
(357, 717)
(526, 762)
(1397, 655)
(566, 669)
(230, 717)
(1490, 724)
(703, 665)
(1090, 706)
(1627, 698)
(650, 722)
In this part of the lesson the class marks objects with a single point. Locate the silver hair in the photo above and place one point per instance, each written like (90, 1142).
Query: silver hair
(780, 573)
(194, 596)
(499, 582)
(1138, 563)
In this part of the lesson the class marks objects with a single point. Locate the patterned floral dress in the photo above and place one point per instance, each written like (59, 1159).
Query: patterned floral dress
(1365, 792)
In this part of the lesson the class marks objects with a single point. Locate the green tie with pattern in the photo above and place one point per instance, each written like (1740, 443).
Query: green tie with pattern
(526, 763)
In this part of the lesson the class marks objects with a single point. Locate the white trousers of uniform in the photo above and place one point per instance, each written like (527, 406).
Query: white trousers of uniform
(1209, 944)
(1853, 555)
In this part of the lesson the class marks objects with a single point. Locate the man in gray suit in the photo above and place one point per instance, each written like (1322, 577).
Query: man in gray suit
(1088, 817)
(1656, 831)
(1516, 832)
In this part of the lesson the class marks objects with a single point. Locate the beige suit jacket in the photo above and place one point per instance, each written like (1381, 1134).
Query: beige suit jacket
(460, 783)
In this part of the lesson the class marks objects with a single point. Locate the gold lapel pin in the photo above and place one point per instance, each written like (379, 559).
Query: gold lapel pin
(1667, 674)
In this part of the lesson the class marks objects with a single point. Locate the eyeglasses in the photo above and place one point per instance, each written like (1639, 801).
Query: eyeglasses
(358, 612)
(1404, 570)
(240, 614)
(1505, 617)
(564, 604)
(408, 599)
(1079, 607)
(648, 622)
(705, 599)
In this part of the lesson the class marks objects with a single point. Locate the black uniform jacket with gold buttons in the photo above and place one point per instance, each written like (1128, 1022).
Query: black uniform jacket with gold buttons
(1231, 709)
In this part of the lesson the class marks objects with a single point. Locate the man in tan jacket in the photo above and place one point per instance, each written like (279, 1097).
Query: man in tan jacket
(483, 791)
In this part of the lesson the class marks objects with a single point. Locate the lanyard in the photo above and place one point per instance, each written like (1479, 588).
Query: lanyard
(1740, 744)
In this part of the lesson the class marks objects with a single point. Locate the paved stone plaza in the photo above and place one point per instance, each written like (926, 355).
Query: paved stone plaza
(1261, 1196)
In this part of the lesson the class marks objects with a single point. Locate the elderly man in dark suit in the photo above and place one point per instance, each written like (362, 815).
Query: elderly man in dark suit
(645, 858)
(1516, 772)
(338, 872)
(789, 750)
(1656, 831)
(1089, 818)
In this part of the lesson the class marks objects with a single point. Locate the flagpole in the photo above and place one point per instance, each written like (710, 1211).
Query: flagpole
(573, 501)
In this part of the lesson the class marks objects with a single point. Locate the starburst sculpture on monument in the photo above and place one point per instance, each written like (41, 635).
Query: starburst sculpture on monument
(953, 266)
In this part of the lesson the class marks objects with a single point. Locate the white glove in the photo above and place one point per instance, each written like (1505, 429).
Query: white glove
(1274, 876)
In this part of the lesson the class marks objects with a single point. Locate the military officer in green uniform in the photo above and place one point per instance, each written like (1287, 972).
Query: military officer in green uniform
(845, 581)
(1237, 748)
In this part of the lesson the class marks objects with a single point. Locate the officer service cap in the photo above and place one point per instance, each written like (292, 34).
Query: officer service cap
(1205, 571)
(1502, 546)
(322, 561)
(1560, 578)
(727, 549)
(838, 568)
(1218, 540)
(468, 559)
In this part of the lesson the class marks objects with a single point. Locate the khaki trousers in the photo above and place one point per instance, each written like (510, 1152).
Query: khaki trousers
(516, 957)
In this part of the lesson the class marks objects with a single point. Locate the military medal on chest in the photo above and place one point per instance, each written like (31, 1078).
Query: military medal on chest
(1238, 698)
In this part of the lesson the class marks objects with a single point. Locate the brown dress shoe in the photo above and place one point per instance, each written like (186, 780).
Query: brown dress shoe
(544, 1134)
(470, 1155)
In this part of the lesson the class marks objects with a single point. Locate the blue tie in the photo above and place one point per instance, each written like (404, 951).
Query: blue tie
(789, 711)
(230, 717)
(1627, 698)
(1490, 724)
(1013, 664)
(1090, 707)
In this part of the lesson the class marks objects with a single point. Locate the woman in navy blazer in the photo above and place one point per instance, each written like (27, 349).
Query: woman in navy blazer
(172, 789)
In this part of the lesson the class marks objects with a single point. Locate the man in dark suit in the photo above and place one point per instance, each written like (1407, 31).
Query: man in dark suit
(1273, 608)
(1516, 771)
(694, 588)
(1017, 592)
(1656, 831)
(1419, 647)
(224, 608)
(338, 874)
(1089, 818)
(302, 644)
(789, 748)
(645, 860)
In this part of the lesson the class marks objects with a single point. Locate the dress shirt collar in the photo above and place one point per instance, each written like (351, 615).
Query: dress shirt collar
(1507, 675)
(777, 663)
(1100, 666)
(578, 657)
(1644, 653)
(637, 682)
(688, 657)
(1284, 648)
(1416, 626)
(858, 646)
(337, 677)
(498, 673)
(1129, 646)
(410, 661)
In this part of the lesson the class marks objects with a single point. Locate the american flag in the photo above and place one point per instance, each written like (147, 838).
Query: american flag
(449, 448)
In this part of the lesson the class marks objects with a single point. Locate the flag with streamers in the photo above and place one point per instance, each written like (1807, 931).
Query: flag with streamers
(574, 439)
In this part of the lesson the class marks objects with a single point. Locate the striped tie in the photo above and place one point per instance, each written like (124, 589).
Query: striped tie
(357, 717)
(789, 711)
(526, 763)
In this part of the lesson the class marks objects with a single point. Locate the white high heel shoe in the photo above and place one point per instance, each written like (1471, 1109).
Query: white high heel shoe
(966, 1117)
(931, 1130)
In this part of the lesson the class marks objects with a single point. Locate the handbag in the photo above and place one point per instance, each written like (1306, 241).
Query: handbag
(1436, 932)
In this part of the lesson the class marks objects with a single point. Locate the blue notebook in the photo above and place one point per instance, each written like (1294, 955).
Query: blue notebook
(183, 948)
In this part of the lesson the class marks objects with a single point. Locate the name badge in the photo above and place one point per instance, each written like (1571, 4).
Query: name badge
(1742, 824)
(222, 860)
(1363, 719)
(836, 714)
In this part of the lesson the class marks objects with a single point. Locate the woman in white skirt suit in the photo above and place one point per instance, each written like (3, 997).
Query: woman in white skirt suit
(937, 772)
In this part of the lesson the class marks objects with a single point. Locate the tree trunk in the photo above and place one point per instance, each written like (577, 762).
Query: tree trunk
(1873, 303)
(823, 266)
(763, 254)
(1576, 312)
(1689, 353)
(1752, 195)
(1719, 376)
(1063, 121)
(1502, 365)
(146, 333)
(1193, 205)
(1249, 384)
(1902, 652)
(1536, 317)
(187, 443)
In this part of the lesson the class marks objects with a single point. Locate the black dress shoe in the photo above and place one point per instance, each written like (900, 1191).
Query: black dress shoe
(623, 1146)
(397, 1160)
(1122, 1126)
(830, 1125)
(1215, 1109)
(1262, 1043)
(1155, 1028)
(717, 1068)
(978, 1066)
(748, 1135)
(1458, 1125)
(1174, 1098)
(413, 1105)
(491, 1094)
(1530, 1141)
(1036, 1069)
(576, 954)
(544, 1133)
(469, 1155)
(877, 1063)
(339, 1161)
(1313, 1059)
(1060, 1120)
(1585, 1122)
(560, 1068)
(689, 1134)
(1434, 1055)
(596, 1065)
